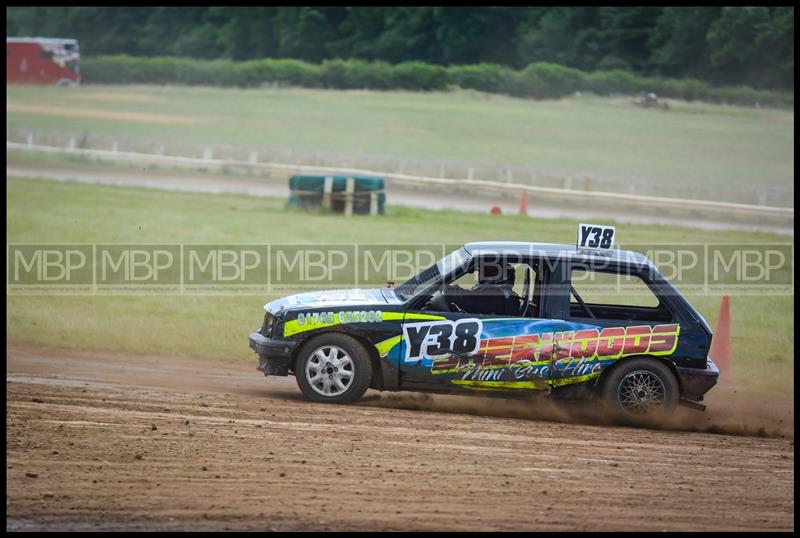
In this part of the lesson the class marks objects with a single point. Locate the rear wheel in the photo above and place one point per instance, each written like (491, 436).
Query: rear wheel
(333, 368)
(640, 391)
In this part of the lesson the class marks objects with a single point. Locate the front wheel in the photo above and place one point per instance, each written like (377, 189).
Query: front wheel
(333, 368)
(640, 391)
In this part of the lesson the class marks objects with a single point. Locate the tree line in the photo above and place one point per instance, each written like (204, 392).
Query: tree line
(720, 45)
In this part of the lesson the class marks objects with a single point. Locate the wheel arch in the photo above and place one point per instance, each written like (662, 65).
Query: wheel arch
(666, 362)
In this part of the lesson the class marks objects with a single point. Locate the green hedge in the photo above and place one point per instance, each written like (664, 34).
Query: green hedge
(419, 76)
(539, 80)
(282, 72)
(491, 78)
(159, 70)
(355, 74)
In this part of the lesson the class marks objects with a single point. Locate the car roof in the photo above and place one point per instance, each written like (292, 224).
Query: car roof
(553, 251)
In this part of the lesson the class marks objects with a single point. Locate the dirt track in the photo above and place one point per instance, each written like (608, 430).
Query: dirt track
(154, 443)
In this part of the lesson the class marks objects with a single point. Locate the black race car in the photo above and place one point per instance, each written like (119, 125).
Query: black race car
(564, 332)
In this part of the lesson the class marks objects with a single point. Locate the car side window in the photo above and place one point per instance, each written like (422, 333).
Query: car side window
(612, 295)
(492, 286)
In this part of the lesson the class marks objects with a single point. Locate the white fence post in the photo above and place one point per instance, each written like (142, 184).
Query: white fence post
(30, 140)
(349, 189)
(115, 146)
(208, 154)
(71, 142)
(327, 188)
(253, 157)
(373, 203)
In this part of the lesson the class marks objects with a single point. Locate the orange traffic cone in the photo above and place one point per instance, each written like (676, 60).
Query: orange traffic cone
(523, 203)
(720, 350)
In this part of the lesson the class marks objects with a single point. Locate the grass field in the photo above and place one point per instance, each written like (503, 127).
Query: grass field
(604, 137)
(58, 212)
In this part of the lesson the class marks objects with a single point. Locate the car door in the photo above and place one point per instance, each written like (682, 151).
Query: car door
(453, 351)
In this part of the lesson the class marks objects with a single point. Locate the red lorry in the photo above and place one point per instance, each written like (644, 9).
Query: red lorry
(42, 60)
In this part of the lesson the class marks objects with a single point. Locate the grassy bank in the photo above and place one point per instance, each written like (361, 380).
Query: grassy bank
(587, 136)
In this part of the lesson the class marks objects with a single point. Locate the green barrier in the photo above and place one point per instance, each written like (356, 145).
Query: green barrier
(316, 183)
(309, 191)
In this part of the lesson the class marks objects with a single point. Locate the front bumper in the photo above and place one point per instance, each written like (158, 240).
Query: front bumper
(274, 355)
(696, 382)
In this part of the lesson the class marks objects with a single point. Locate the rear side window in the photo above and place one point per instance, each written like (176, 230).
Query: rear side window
(596, 287)
(613, 296)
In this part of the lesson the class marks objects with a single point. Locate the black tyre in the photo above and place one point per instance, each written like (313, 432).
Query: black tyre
(333, 368)
(640, 391)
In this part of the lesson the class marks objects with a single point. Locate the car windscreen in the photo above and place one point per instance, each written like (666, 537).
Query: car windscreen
(433, 274)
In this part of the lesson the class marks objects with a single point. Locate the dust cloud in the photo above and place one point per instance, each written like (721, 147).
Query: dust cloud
(728, 411)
